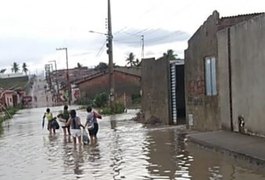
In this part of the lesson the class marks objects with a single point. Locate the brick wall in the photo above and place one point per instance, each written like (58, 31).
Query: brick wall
(124, 85)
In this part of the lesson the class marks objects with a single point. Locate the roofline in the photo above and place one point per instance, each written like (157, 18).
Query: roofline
(103, 73)
(242, 15)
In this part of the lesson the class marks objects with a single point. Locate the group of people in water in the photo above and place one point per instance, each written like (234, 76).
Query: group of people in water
(71, 124)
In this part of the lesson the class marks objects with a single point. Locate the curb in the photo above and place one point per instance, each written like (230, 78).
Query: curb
(223, 150)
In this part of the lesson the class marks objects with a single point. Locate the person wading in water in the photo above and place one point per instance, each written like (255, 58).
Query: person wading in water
(75, 123)
(63, 118)
(50, 126)
(92, 123)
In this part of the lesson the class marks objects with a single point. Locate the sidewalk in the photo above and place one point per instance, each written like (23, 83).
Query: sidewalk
(248, 147)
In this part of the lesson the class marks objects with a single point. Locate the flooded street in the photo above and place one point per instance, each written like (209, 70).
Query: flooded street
(124, 150)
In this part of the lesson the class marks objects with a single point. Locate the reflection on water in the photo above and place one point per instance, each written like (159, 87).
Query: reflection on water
(168, 157)
(124, 150)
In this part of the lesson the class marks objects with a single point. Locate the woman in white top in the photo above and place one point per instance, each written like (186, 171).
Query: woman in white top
(92, 123)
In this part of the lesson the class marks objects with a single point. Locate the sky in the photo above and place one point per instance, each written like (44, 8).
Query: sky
(32, 30)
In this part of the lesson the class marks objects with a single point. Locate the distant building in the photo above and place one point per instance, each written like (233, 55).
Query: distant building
(126, 84)
(8, 98)
(16, 82)
(12, 75)
(74, 75)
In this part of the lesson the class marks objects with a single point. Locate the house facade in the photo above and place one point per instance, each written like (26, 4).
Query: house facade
(241, 64)
(9, 98)
(219, 73)
(125, 86)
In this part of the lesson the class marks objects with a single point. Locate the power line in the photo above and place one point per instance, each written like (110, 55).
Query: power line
(101, 49)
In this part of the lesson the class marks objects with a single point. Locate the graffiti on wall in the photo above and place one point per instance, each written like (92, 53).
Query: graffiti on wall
(195, 89)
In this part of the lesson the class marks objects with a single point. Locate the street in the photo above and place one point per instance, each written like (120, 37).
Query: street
(125, 149)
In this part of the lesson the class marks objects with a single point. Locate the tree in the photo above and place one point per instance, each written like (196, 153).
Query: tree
(2, 70)
(15, 67)
(79, 65)
(169, 55)
(24, 68)
(130, 60)
(101, 67)
(137, 62)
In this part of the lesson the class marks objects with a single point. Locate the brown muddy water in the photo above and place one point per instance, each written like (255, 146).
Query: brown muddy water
(124, 150)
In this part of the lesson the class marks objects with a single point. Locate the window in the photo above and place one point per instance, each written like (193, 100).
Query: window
(210, 76)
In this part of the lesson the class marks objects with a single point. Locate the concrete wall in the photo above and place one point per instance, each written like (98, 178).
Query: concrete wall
(223, 79)
(247, 74)
(155, 92)
(204, 109)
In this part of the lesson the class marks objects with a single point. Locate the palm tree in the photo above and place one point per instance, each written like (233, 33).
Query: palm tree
(79, 65)
(25, 69)
(169, 55)
(130, 60)
(15, 67)
(137, 62)
(2, 70)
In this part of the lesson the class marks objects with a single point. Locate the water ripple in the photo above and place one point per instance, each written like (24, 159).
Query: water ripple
(124, 150)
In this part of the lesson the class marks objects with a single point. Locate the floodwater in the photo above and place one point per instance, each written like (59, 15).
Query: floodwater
(124, 150)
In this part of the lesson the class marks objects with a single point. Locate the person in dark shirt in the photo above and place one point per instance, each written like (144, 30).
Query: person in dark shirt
(63, 118)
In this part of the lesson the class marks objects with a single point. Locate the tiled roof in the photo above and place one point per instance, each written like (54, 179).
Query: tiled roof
(229, 21)
(243, 15)
(95, 75)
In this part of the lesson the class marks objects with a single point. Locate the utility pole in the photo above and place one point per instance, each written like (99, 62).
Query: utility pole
(57, 84)
(142, 38)
(67, 76)
(110, 53)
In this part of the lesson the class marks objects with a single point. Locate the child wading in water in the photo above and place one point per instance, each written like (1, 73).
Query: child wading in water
(75, 123)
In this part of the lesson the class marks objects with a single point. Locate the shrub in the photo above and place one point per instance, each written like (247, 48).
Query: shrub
(136, 98)
(117, 108)
(101, 100)
(8, 114)
(84, 101)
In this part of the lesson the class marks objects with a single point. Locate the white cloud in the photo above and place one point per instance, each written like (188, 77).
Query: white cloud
(31, 30)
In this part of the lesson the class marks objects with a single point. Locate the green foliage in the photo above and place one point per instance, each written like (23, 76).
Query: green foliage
(169, 55)
(101, 100)
(131, 60)
(8, 114)
(136, 98)
(15, 67)
(116, 109)
(2, 70)
(101, 67)
(24, 68)
(106, 110)
(79, 65)
(84, 101)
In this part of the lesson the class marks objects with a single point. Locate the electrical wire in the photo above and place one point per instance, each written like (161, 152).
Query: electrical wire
(101, 49)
